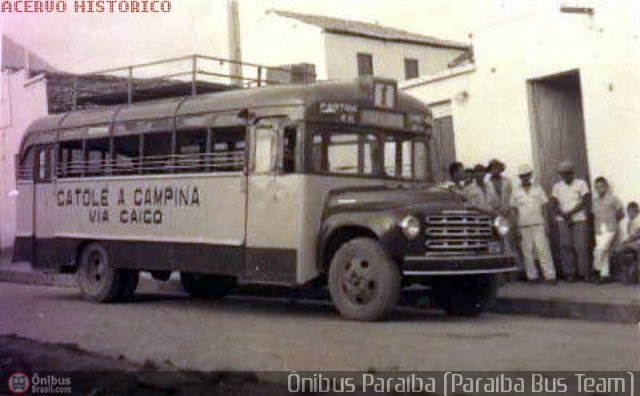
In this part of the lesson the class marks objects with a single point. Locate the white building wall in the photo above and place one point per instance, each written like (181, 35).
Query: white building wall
(280, 41)
(334, 55)
(22, 101)
(388, 57)
(494, 121)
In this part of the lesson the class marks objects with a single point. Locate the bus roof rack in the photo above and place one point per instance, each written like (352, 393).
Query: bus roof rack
(174, 77)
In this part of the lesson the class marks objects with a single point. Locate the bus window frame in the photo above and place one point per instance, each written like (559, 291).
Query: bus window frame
(273, 131)
(49, 151)
(312, 128)
(25, 165)
(65, 162)
(279, 125)
(297, 149)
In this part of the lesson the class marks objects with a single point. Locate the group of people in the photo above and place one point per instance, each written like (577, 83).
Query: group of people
(524, 202)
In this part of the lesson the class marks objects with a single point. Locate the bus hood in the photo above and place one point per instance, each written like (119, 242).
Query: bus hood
(431, 199)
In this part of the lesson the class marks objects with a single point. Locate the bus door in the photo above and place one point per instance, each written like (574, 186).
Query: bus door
(273, 206)
(43, 205)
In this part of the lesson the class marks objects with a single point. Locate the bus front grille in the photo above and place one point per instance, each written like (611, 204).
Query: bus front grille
(458, 233)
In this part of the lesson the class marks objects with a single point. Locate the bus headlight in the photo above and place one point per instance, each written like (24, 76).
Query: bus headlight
(501, 225)
(410, 227)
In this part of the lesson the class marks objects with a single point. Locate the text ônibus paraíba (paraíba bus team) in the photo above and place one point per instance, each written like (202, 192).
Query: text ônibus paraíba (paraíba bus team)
(455, 383)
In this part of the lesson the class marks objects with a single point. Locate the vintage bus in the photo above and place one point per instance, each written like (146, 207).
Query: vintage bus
(320, 185)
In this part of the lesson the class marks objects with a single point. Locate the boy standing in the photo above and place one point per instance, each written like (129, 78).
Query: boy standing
(633, 223)
(608, 212)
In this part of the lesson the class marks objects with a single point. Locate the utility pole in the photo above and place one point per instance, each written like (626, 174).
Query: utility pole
(235, 47)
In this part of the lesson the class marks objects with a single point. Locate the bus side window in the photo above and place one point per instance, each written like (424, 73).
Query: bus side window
(227, 149)
(318, 154)
(98, 156)
(289, 145)
(156, 149)
(44, 164)
(26, 167)
(265, 152)
(126, 154)
(71, 159)
(191, 150)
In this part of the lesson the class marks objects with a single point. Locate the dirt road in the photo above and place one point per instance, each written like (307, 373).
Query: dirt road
(258, 334)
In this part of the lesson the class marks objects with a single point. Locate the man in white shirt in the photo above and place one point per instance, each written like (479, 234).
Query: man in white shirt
(571, 200)
(528, 200)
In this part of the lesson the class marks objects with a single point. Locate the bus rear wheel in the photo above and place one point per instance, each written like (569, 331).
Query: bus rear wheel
(465, 295)
(98, 279)
(363, 281)
(206, 286)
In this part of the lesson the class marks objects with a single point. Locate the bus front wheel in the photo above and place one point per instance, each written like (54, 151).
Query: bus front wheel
(363, 281)
(465, 295)
(206, 286)
(98, 279)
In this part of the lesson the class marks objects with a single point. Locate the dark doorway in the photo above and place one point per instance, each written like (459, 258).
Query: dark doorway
(557, 124)
(557, 132)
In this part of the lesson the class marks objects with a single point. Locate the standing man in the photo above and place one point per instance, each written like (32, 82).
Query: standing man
(608, 211)
(499, 188)
(456, 171)
(528, 201)
(456, 178)
(476, 192)
(571, 202)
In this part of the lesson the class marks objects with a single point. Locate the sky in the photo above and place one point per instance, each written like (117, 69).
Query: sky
(89, 42)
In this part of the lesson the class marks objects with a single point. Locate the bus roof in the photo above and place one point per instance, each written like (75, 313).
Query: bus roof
(355, 91)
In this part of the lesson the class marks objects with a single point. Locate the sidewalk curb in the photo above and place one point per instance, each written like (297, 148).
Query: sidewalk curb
(618, 312)
(613, 312)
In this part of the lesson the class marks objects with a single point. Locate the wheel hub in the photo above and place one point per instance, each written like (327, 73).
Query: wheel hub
(358, 281)
(96, 271)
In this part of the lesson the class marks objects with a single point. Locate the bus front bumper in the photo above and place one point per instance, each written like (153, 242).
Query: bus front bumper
(447, 266)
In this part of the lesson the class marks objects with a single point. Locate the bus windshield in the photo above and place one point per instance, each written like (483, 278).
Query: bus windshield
(369, 153)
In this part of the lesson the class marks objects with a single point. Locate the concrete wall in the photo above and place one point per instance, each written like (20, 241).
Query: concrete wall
(21, 101)
(493, 120)
(388, 57)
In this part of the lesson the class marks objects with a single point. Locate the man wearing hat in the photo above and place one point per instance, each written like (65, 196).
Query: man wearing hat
(528, 201)
(571, 201)
(499, 188)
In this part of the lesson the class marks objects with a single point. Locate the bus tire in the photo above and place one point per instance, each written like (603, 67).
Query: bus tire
(465, 295)
(206, 286)
(364, 282)
(98, 280)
